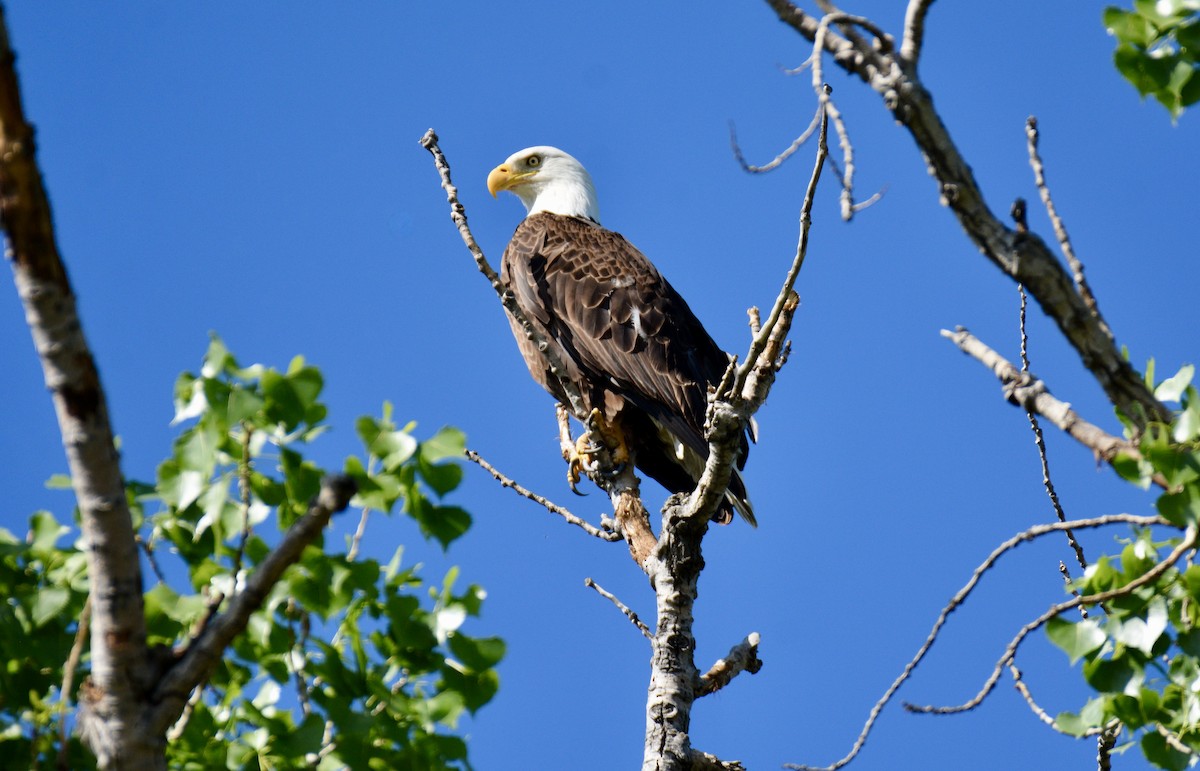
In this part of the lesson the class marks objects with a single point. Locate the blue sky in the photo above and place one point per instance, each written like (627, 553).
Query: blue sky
(253, 169)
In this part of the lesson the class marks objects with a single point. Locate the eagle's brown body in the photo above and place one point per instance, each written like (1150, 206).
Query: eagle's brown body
(629, 341)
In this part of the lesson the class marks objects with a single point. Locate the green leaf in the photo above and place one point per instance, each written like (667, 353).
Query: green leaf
(448, 442)
(44, 532)
(1128, 27)
(1171, 389)
(1161, 754)
(478, 653)
(1181, 508)
(48, 603)
(243, 404)
(391, 447)
(59, 482)
(217, 360)
(1141, 633)
(445, 523)
(304, 739)
(1116, 675)
(442, 477)
(1077, 639)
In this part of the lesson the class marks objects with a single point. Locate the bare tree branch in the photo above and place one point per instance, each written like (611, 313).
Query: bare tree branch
(959, 598)
(629, 614)
(1150, 576)
(1060, 230)
(1026, 390)
(1040, 441)
(742, 657)
(205, 650)
(118, 627)
(1022, 256)
(553, 508)
(914, 32)
(459, 214)
(675, 563)
(703, 761)
(620, 484)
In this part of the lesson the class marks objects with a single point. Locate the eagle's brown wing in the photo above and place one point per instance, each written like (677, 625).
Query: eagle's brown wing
(626, 335)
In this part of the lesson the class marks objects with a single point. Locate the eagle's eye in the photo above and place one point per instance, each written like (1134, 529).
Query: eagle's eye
(532, 161)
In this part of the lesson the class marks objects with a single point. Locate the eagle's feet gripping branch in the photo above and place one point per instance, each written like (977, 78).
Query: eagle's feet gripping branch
(600, 450)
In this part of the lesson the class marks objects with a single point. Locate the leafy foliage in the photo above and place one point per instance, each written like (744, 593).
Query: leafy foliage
(349, 663)
(1158, 49)
(1141, 649)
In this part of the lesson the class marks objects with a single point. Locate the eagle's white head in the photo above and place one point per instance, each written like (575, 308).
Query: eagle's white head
(547, 179)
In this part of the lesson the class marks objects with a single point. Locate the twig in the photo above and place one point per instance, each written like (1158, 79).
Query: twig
(1042, 715)
(767, 328)
(914, 31)
(179, 726)
(1060, 230)
(1039, 440)
(742, 657)
(352, 552)
(204, 651)
(732, 406)
(1026, 390)
(459, 214)
(1023, 257)
(703, 761)
(297, 657)
(1027, 535)
(1066, 574)
(633, 617)
(1151, 575)
(553, 508)
(1104, 747)
(153, 560)
(778, 160)
(1173, 740)
(244, 494)
(68, 683)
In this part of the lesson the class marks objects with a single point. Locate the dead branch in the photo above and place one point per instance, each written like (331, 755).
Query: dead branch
(1010, 653)
(959, 598)
(629, 614)
(1060, 230)
(1022, 256)
(914, 32)
(459, 214)
(703, 761)
(553, 508)
(1026, 390)
(742, 657)
(1040, 441)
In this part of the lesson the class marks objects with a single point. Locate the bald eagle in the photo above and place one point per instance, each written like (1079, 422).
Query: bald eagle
(629, 342)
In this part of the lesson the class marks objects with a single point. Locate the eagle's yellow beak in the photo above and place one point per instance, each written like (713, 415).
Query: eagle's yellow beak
(503, 178)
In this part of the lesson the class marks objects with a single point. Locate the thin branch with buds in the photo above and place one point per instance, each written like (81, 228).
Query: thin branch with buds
(1040, 441)
(1010, 652)
(459, 214)
(1060, 230)
(959, 598)
(553, 508)
(1026, 390)
(629, 614)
